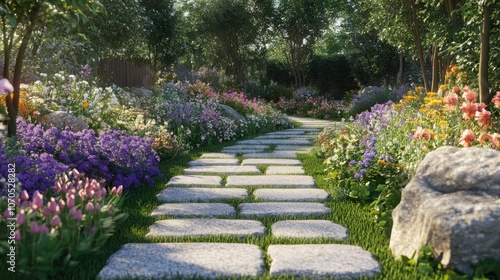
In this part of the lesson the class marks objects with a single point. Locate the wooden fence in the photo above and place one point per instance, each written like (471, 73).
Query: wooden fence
(125, 74)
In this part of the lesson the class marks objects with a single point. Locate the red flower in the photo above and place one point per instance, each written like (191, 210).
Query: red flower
(483, 117)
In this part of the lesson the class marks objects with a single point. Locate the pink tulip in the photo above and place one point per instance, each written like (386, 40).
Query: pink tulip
(44, 228)
(76, 173)
(17, 237)
(20, 218)
(92, 229)
(113, 190)
(104, 192)
(97, 207)
(55, 221)
(89, 207)
(24, 195)
(466, 138)
(5, 87)
(7, 214)
(62, 203)
(37, 200)
(119, 190)
(53, 206)
(78, 215)
(46, 212)
(57, 186)
(70, 199)
(34, 228)
(72, 211)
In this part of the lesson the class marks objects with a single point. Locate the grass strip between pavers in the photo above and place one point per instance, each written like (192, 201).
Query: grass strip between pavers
(140, 203)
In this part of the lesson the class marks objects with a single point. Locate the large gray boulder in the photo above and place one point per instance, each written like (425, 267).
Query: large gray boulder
(61, 120)
(453, 204)
(230, 113)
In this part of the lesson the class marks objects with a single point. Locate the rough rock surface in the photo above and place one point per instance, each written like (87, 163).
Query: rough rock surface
(453, 204)
(61, 120)
(231, 113)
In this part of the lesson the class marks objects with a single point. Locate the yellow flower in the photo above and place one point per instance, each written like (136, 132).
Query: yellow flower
(85, 105)
(443, 123)
(23, 93)
(443, 87)
(382, 162)
(432, 94)
(419, 88)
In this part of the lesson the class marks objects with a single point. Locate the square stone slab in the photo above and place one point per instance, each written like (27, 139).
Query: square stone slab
(195, 181)
(200, 194)
(278, 181)
(292, 148)
(184, 260)
(222, 170)
(322, 261)
(286, 132)
(206, 227)
(247, 147)
(195, 210)
(309, 229)
(211, 161)
(243, 151)
(282, 209)
(270, 161)
(218, 155)
(291, 194)
(285, 170)
(273, 155)
(274, 142)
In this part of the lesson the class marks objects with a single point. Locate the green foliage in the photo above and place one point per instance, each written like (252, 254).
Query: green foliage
(76, 221)
(332, 75)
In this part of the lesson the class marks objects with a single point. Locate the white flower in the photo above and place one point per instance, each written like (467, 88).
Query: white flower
(71, 77)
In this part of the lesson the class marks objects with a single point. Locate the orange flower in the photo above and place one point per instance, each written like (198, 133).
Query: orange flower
(85, 105)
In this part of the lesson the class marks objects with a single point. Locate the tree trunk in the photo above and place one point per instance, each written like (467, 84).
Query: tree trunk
(399, 76)
(13, 102)
(484, 87)
(435, 69)
(415, 27)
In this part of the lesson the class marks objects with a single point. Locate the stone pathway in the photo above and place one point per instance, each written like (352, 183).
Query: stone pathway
(222, 194)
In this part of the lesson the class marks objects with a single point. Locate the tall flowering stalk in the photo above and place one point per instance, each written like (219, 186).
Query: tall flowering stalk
(56, 229)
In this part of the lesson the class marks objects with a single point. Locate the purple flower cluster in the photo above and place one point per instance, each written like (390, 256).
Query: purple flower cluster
(115, 157)
(375, 95)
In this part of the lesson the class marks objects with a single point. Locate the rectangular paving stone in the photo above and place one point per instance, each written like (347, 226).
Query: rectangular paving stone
(291, 194)
(322, 261)
(292, 148)
(277, 181)
(285, 136)
(218, 155)
(206, 227)
(287, 132)
(309, 229)
(200, 194)
(243, 151)
(275, 155)
(275, 142)
(222, 170)
(195, 210)
(282, 209)
(211, 161)
(195, 181)
(184, 260)
(247, 147)
(285, 170)
(270, 161)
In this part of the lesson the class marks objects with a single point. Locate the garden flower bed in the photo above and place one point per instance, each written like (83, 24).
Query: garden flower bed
(68, 183)
(373, 158)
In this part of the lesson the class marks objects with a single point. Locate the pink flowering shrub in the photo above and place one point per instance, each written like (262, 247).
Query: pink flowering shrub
(56, 229)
